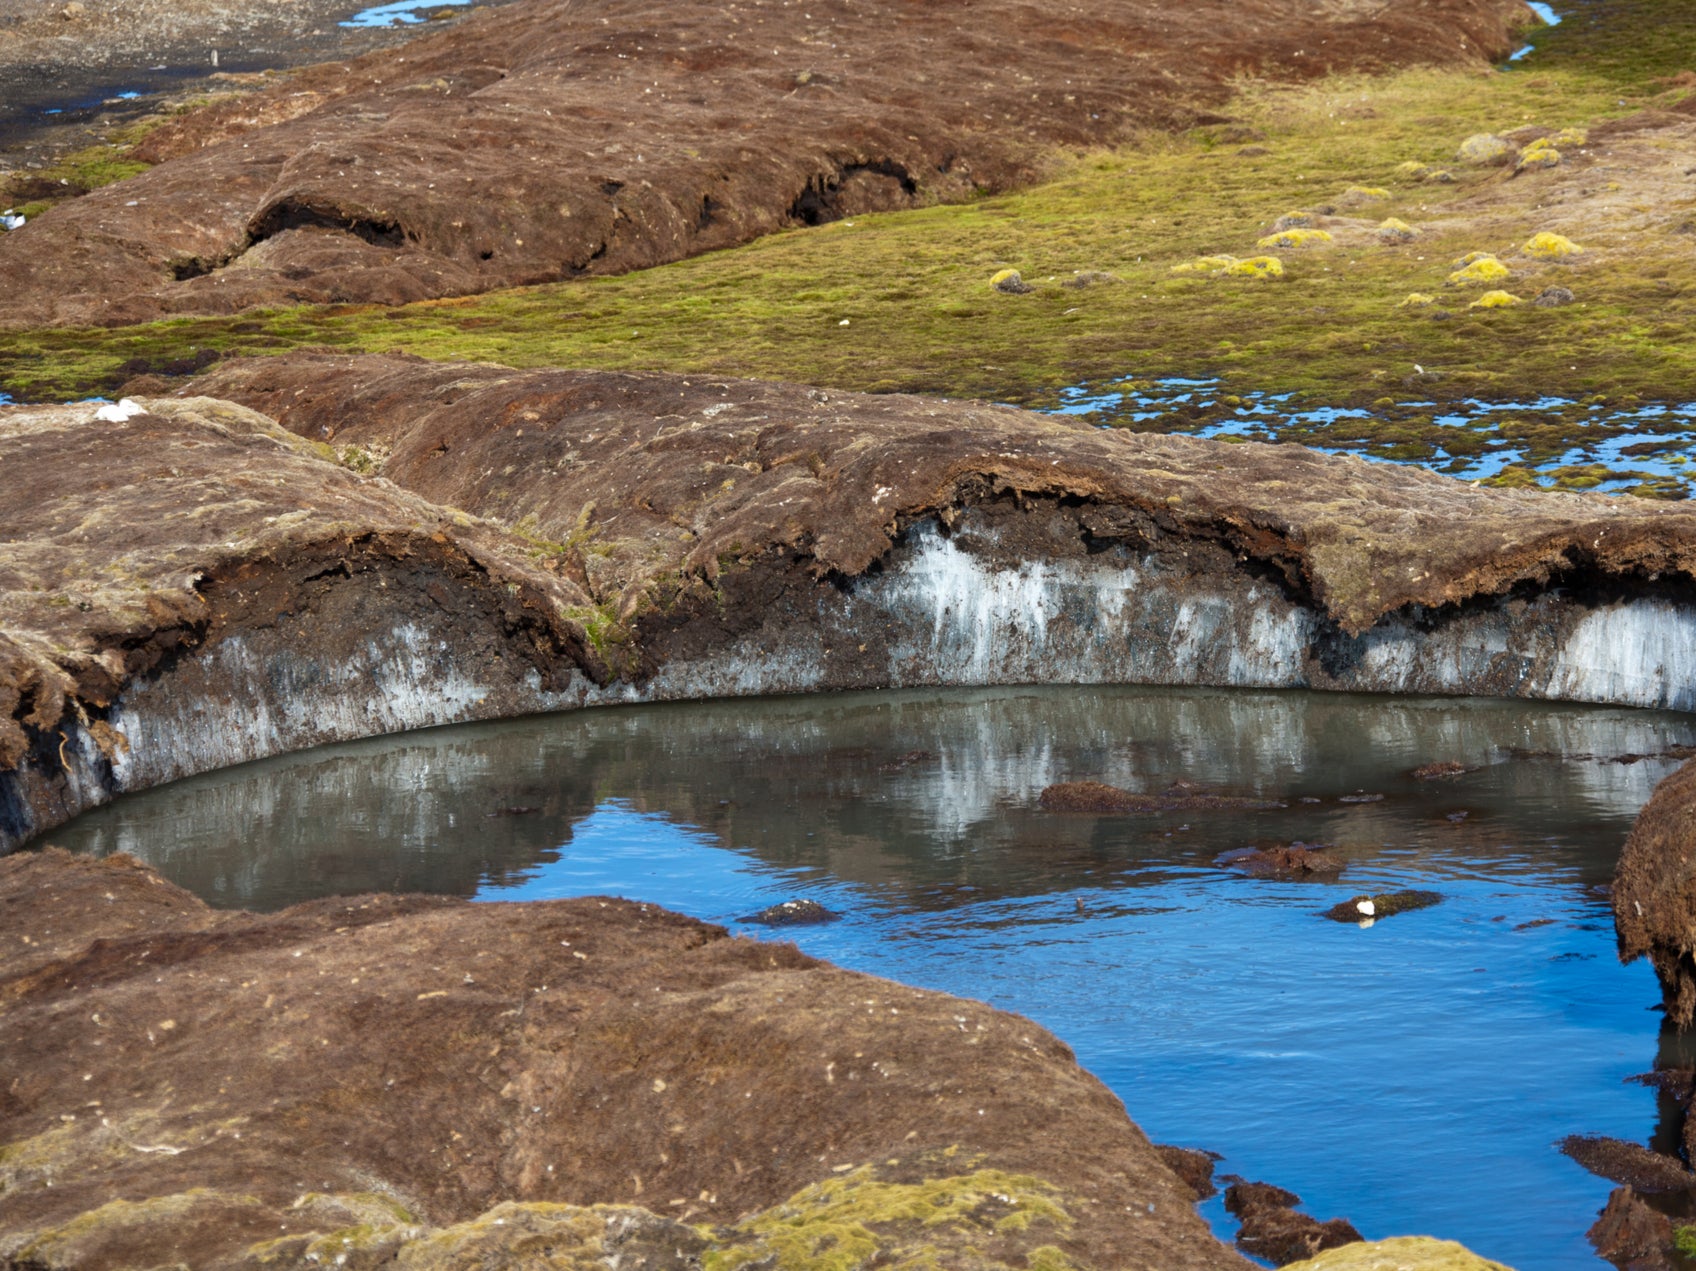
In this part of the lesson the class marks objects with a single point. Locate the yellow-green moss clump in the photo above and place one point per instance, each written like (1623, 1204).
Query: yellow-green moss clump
(1547, 246)
(1296, 237)
(1417, 300)
(844, 1223)
(1414, 170)
(1539, 154)
(1011, 282)
(1394, 230)
(1496, 300)
(1355, 195)
(1256, 267)
(1485, 150)
(1400, 1253)
(1205, 265)
(1479, 269)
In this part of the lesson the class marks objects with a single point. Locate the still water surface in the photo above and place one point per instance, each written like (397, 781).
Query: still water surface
(1412, 1076)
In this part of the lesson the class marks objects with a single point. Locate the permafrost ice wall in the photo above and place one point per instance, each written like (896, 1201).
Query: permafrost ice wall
(943, 609)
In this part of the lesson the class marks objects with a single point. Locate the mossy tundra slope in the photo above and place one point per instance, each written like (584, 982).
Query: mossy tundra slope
(1376, 310)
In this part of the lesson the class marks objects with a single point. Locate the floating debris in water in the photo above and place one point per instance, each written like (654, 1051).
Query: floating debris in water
(1293, 860)
(791, 913)
(1365, 909)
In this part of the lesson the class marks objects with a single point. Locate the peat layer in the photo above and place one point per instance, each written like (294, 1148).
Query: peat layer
(1655, 892)
(73, 59)
(544, 140)
(413, 543)
(360, 1080)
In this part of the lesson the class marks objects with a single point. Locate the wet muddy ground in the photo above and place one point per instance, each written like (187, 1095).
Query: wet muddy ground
(76, 72)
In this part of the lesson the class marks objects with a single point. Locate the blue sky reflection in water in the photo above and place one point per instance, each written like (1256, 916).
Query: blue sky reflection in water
(1633, 443)
(399, 12)
(1413, 1076)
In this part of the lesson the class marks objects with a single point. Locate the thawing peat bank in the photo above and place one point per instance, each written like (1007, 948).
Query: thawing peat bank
(313, 547)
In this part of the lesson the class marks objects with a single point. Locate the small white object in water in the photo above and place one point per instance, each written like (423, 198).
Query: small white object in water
(11, 220)
(129, 408)
(1365, 908)
(1544, 11)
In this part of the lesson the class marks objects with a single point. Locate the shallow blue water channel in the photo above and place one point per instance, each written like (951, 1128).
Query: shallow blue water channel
(1625, 446)
(1412, 1076)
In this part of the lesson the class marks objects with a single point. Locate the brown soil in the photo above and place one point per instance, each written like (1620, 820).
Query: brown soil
(1272, 1227)
(1629, 1164)
(1630, 1233)
(1655, 892)
(1193, 1165)
(366, 1072)
(544, 140)
(210, 520)
(1094, 796)
(632, 520)
(74, 57)
(834, 476)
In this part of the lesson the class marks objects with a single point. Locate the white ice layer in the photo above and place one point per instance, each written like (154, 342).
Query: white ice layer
(409, 679)
(1642, 653)
(946, 616)
(1113, 617)
(1087, 620)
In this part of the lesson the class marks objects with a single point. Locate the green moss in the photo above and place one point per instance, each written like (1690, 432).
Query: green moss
(1256, 267)
(1496, 300)
(844, 1223)
(81, 170)
(1547, 246)
(360, 460)
(922, 318)
(1481, 271)
(54, 1246)
(1295, 237)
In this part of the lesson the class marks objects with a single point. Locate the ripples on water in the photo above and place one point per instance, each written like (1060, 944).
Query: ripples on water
(1412, 1076)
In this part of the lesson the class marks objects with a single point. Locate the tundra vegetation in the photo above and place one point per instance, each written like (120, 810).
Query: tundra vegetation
(1110, 254)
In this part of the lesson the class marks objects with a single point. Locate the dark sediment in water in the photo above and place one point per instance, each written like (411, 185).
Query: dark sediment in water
(1293, 860)
(1095, 796)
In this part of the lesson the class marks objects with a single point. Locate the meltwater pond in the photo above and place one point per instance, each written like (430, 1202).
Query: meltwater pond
(1413, 1076)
